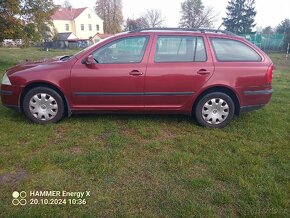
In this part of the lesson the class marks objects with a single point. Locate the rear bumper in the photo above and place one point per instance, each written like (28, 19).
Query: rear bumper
(255, 99)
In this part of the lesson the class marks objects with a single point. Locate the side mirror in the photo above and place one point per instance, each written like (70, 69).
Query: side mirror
(89, 60)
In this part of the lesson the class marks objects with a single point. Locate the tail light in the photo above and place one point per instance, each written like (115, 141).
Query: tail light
(269, 74)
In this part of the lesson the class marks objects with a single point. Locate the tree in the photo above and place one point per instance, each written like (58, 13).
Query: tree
(25, 19)
(240, 16)
(139, 23)
(154, 18)
(195, 15)
(67, 4)
(284, 28)
(268, 30)
(111, 12)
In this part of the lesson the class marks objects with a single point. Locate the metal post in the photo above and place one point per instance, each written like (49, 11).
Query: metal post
(287, 52)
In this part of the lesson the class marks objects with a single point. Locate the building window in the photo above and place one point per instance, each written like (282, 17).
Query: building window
(66, 27)
(89, 15)
(98, 27)
(90, 27)
(82, 27)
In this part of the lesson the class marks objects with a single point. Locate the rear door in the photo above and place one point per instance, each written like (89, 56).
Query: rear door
(178, 67)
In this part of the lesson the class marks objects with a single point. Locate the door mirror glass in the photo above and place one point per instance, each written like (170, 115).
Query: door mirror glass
(89, 60)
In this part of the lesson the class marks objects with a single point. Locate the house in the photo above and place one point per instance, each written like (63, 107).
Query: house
(63, 39)
(84, 23)
(99, 37)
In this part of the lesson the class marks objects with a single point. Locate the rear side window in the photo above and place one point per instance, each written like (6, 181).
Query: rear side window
(232, 50)
(180, 49)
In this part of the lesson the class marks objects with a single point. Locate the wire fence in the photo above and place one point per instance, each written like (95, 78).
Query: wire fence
(267, 42)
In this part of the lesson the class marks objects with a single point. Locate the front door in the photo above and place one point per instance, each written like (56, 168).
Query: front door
(116, 80)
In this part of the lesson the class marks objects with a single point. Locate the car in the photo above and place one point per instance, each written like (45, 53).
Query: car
(211, 75)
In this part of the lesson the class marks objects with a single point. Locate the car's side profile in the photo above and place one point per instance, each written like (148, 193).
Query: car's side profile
(211, 75)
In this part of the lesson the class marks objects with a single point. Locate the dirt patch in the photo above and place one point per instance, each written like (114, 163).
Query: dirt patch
(13, 178)
(76, 150)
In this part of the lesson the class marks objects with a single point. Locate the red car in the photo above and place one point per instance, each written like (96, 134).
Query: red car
(209, 74)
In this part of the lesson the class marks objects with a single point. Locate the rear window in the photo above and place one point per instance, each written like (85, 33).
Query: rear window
(180, 49)
(232, 50)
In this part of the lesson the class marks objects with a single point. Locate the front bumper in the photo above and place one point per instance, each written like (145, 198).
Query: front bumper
(10, 95)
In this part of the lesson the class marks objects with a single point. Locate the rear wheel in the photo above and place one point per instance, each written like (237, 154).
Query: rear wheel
(215, 110)
(43, 105)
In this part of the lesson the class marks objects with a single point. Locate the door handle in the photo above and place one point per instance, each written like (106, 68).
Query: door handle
(203, 72)
(135, 73)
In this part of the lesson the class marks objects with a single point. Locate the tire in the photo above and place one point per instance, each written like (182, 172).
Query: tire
(215, 110)
(43, 105)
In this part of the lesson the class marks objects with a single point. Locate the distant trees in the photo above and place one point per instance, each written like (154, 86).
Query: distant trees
(111, 12)
(67, 4)
(154, 18)
(240, 17)
(284, 28)
(268, 30)
(134, 24)
(151, 19)
(195, 15)
(25, 19)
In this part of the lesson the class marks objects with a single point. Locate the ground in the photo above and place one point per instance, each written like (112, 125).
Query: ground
(153, 166)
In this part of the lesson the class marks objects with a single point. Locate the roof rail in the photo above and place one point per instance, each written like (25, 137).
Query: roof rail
(184, 29)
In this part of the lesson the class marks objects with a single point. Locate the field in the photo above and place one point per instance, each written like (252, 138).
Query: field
(149, 165)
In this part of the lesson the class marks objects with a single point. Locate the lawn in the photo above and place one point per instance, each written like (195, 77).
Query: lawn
(149, 165)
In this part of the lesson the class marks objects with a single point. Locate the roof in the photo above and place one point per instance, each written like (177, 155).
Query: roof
(65, 36)
(67, 13)
(103, 36)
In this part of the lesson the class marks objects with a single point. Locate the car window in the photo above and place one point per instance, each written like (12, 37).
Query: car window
(126, 50)
(180, 49)
(232, 50)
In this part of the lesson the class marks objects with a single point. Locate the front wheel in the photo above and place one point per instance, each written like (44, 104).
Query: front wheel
(43, 105)
(215, 110)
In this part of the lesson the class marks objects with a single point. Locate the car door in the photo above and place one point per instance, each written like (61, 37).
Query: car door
(178, 67)
(115, 79)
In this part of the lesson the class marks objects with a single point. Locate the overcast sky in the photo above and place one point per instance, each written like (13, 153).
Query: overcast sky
(267, 13)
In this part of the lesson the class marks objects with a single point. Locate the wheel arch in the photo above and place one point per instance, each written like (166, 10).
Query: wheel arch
(222, 89)
(47, 85)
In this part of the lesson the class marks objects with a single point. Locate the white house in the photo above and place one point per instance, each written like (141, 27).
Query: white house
(82, 22)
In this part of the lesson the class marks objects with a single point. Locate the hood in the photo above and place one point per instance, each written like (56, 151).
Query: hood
(31, 64)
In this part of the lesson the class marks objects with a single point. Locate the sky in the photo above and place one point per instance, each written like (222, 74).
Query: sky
(268, 14)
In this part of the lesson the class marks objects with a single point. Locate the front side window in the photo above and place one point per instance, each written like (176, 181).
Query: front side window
(90, 27)
(229, 50)
(180, 49)
(67, 27)
(82, 27)
(127, 50)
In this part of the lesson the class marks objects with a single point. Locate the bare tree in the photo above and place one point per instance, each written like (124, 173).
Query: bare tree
(195, 15)
(111, 12)
(134, 24)
(67, 4)
(154, 18)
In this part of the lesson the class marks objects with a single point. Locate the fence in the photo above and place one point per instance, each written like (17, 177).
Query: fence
(267, 42)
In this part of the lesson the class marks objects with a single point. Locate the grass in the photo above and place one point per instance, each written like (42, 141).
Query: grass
(150, 165)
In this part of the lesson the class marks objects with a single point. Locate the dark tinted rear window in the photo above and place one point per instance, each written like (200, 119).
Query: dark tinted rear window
(232, 50)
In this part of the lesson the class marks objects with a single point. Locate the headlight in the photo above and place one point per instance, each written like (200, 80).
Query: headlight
(5, 80)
